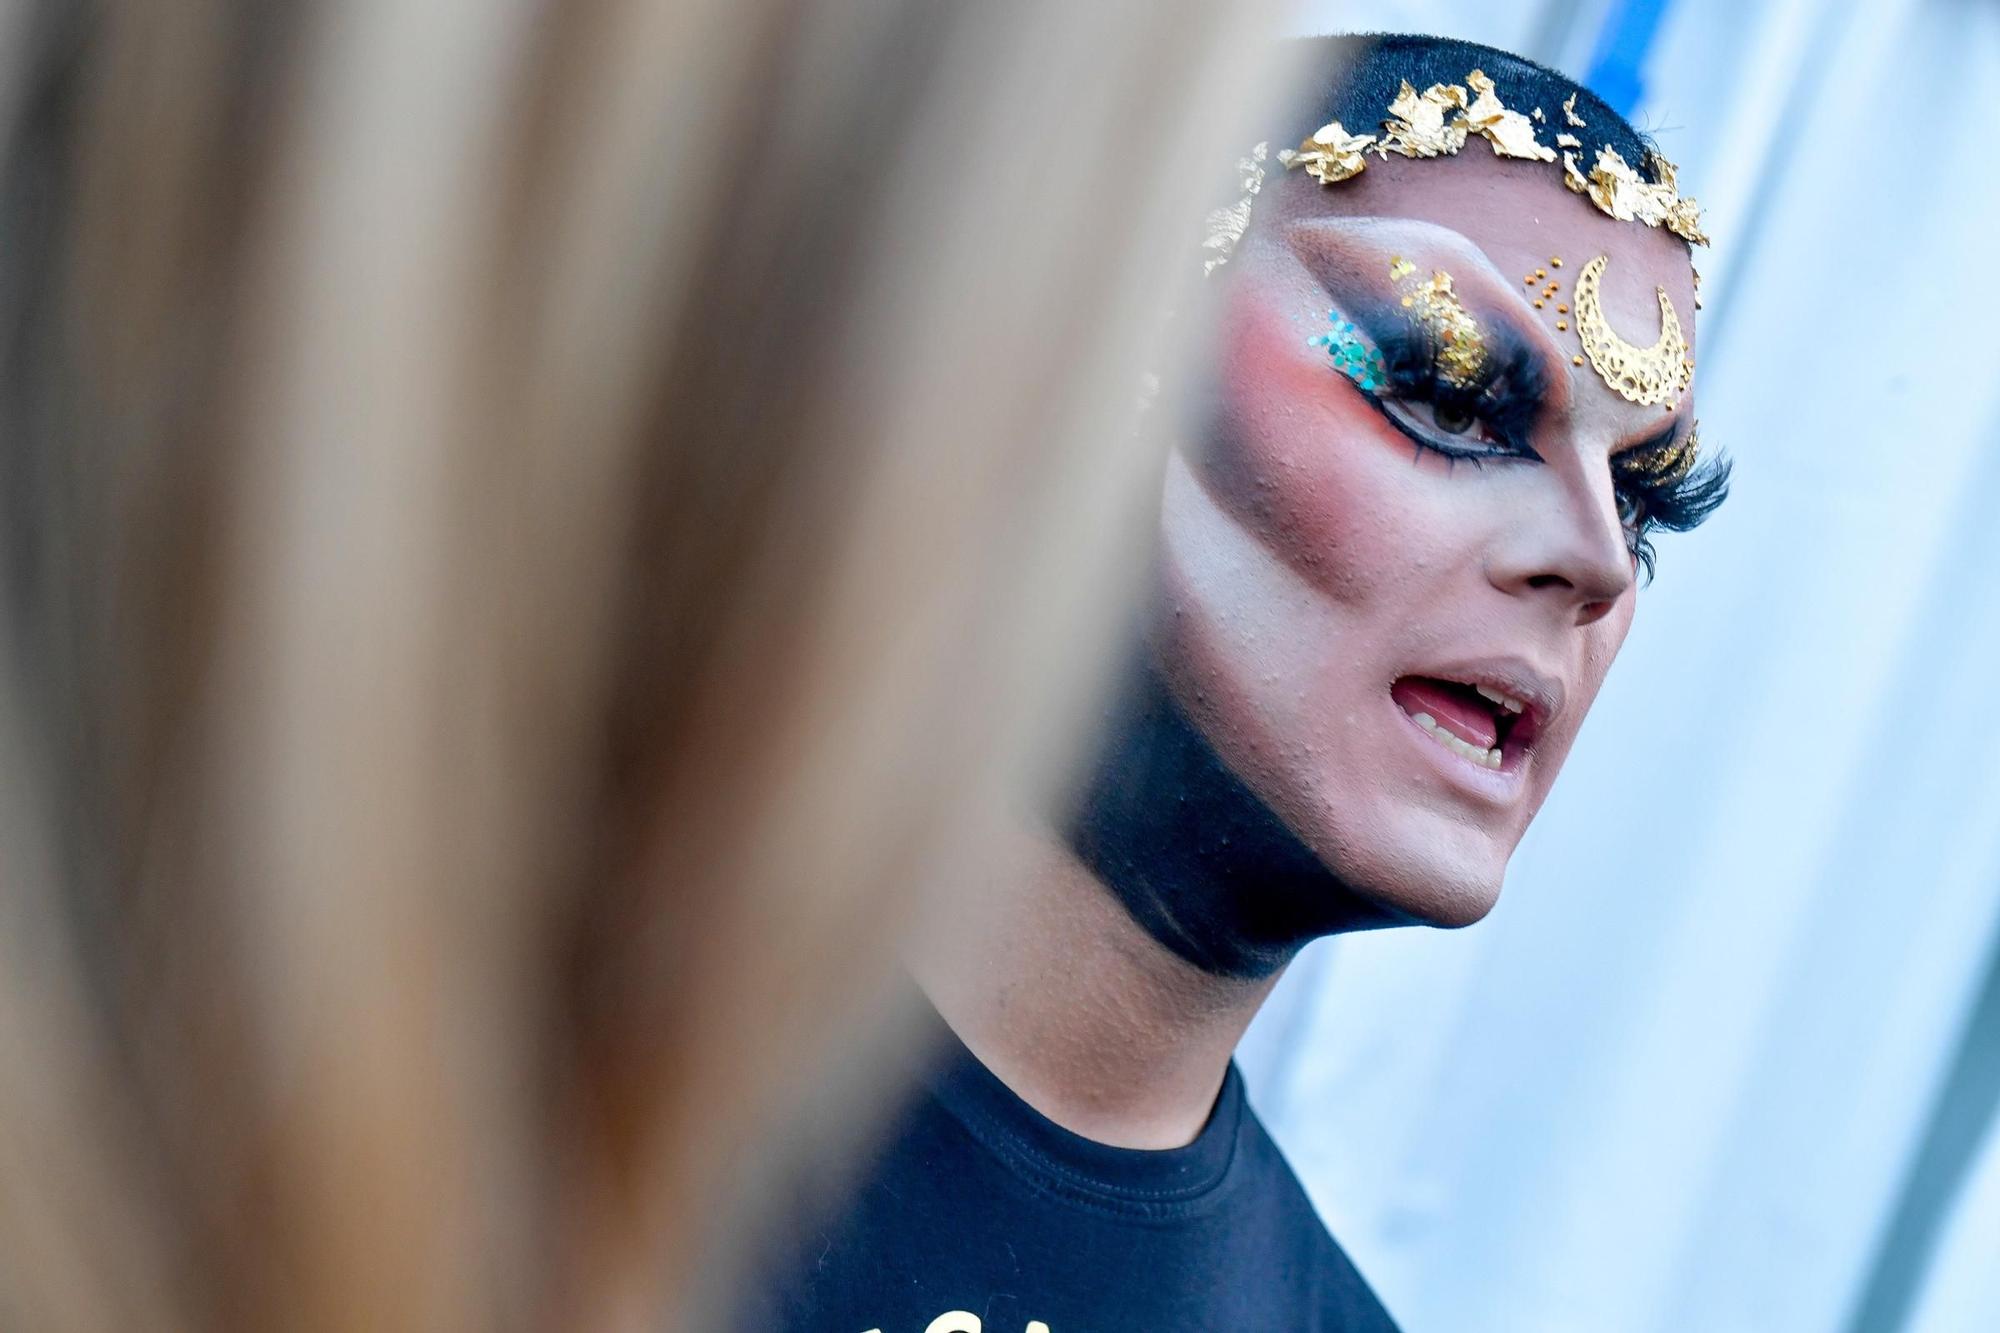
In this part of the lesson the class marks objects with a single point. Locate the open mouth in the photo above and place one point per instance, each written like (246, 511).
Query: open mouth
(1479, 723)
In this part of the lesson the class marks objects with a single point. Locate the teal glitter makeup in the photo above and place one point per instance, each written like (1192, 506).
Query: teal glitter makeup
(1352, 355)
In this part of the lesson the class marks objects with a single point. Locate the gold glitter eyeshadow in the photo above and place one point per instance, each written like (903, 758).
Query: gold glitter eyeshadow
(1400, 268)
(1668, 463)
(1645, 375)
(1461, 354)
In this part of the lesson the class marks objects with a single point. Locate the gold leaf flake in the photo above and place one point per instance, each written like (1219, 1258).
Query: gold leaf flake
(1567, 140)
(1511, 133)
(1684, 221)
(1618, 190)
(1541, 117)
(1461, 343)
(1329, 154)
(1572, 176)
(1227, 225)
(1400, 268)
(1416, 125)
(1225, 228)
(1569, 113)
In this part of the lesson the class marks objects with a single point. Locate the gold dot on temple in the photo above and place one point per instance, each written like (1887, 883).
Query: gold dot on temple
(1528, 281)
(1562, 325)
(1538, 305)
(1562, 310)
(1556, 262)
(1541, 273)
(1576, 361)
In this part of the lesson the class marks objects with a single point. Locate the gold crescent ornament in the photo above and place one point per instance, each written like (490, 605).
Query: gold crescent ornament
(1646, 375)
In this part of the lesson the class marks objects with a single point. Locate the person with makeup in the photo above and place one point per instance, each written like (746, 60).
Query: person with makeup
(1453, 404)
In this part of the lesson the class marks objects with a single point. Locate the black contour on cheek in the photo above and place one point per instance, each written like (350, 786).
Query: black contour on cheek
(1193, 855)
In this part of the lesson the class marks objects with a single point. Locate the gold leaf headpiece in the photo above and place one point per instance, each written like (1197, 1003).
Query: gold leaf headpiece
(1437, 122)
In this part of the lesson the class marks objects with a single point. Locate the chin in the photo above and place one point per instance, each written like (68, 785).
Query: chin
(1420, 864)
(1436, 891)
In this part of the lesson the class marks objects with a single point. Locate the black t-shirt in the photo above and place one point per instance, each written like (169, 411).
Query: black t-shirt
(983, 1216)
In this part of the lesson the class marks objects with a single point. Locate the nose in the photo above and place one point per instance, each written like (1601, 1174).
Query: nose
(1567, 549)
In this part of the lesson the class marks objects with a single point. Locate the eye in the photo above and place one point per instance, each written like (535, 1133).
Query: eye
(1451, 427)
(1454, 418)
(1631, 506)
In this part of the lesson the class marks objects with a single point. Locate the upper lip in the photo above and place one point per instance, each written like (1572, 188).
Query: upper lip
(1540, 691)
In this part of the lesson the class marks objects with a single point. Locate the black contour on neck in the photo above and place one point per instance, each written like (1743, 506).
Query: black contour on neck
(1196, 857)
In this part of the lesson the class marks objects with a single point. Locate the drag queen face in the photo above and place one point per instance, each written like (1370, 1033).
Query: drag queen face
(1398, 568)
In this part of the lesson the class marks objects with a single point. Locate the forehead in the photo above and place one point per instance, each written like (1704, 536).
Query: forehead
(1521, 215)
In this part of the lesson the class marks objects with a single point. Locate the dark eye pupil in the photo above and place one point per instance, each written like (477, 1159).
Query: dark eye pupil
(1454, 420)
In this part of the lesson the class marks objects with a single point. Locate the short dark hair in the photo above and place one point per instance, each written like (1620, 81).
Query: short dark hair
(1357, 76)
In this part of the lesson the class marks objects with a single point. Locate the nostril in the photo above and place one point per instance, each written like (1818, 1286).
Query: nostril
(1547, 581)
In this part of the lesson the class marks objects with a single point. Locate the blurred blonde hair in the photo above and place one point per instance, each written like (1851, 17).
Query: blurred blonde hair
(528, 530)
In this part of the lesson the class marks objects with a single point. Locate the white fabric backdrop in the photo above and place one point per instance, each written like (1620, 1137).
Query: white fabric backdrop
(1675, 1081)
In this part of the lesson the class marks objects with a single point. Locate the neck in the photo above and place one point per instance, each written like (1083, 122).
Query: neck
(1053, 985)
(1106, 973)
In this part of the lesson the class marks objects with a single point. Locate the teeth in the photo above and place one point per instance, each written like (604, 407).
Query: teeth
(1463, 749)
(1511, 705)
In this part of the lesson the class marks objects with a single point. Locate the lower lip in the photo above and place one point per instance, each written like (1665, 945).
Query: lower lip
(1499, 786)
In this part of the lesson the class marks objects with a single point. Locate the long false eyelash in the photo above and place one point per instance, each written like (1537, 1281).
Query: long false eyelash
(1506, 394)
(1680, 505)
